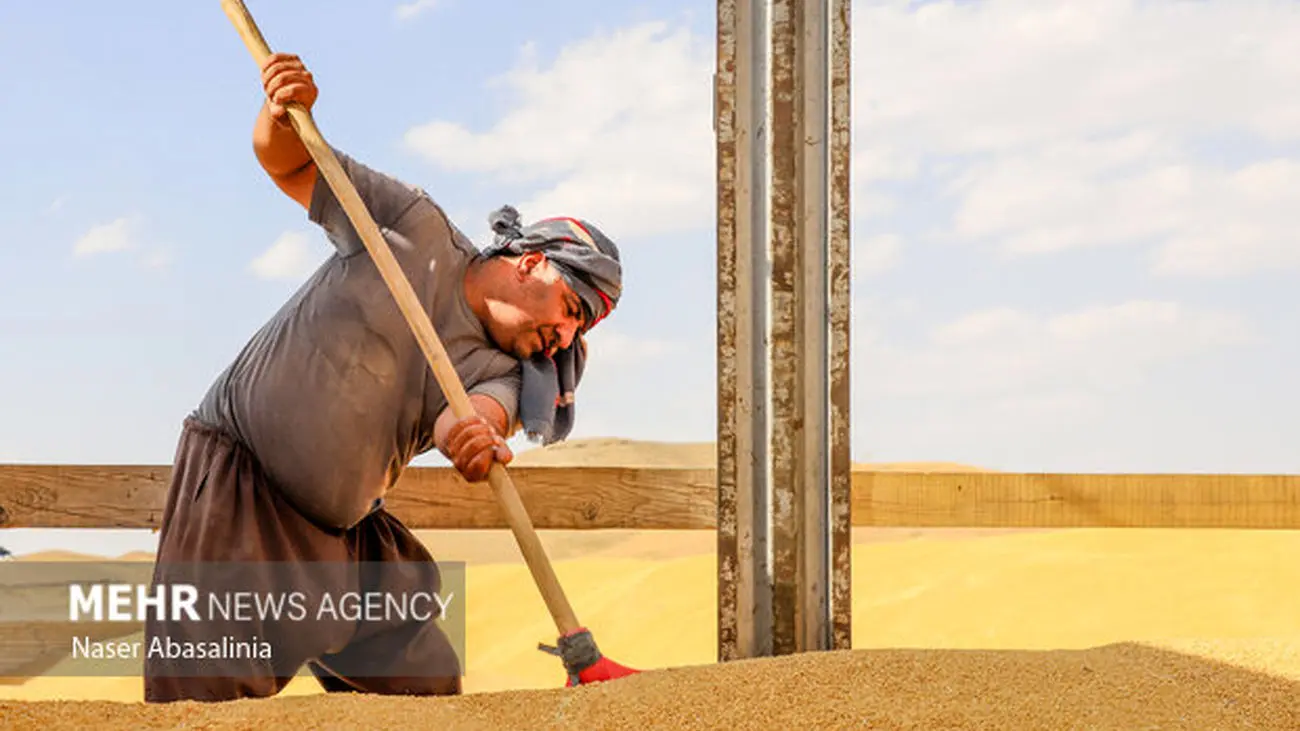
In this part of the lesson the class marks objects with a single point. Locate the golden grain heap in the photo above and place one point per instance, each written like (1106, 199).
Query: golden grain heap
(1124, 686)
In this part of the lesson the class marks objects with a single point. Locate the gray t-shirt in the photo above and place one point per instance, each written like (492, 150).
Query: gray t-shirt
(333, 395)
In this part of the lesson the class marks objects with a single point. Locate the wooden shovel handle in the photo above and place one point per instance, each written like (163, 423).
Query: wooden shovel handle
(508, 497)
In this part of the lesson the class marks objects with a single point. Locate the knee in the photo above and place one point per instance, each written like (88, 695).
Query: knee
(210, 689)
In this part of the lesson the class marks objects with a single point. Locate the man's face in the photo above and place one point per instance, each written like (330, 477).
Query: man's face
(536, 312)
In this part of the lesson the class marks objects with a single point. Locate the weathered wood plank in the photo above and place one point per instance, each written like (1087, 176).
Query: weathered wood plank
(651, 498)
(82, 496)
(1004, 500)
(563, 498)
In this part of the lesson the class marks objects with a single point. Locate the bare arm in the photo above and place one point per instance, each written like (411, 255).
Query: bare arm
(392, 204)
(284, 158)
(278, 148)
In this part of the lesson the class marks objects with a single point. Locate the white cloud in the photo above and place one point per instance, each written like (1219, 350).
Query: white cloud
(1204, 222)
(1057, 389)
(984, 385)
(1025, 127)
(610, 347)
(1241, 222)
(617, 129)
(291, 257)
(1000, 75)
(407, 11)
(107, 238)
(875, 255)
(157, 259)
(1009, 355)
(1066, 125)
(1052, 126)
(640, 387)
(870, 204)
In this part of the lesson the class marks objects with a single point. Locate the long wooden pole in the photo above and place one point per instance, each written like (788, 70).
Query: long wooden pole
(529, 544)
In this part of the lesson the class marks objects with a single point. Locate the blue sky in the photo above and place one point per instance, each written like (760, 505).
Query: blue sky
(1074, 223)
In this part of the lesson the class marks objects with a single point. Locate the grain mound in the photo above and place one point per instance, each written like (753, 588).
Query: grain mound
(1123, 686)
(616, 452)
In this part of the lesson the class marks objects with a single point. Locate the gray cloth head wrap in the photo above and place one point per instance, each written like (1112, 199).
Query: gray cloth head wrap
(589, 262)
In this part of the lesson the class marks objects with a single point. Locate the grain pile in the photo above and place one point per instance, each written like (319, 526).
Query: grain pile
(616, 452)
(1077, 629)
(1124, 686)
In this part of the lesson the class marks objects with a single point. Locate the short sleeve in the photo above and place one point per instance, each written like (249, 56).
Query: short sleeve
(387, 199)
(505, 391)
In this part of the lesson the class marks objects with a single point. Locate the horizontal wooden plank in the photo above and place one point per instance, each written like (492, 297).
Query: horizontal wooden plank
(562, 498)
(653, 498)
(104, 496)
(1008, 500)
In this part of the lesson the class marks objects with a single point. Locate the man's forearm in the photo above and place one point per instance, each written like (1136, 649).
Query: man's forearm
(278, 147)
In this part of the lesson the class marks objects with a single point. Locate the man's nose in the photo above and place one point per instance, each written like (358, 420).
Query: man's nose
(568, 331)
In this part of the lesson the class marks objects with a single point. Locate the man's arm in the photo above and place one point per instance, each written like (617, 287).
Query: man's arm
(278, 148)
(284, 157)
(286, 161)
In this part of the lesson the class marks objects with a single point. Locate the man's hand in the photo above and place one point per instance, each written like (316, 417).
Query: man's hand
(286, 79)
(278, 148)
(473, 445)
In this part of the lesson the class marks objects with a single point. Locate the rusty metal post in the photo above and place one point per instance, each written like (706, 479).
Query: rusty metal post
(810, 308)
(744, 569)
(840, 319)
(782, 124)
(812, 422)
(788, 482)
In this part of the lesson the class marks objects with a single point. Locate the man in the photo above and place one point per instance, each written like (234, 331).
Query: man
(287, 459)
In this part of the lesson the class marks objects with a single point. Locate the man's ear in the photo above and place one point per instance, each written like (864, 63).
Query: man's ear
(530, 261)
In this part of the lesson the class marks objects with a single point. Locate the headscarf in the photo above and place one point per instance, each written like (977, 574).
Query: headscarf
(589, 262)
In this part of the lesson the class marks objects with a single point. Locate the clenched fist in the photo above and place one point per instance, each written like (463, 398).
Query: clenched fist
(473, 445)
(285, 79)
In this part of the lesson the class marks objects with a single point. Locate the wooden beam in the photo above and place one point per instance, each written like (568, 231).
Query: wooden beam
(66, 496)
(1006, 500)
(668, 498)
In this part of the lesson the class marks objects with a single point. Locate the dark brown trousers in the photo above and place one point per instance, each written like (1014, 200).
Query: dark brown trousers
(221, 510)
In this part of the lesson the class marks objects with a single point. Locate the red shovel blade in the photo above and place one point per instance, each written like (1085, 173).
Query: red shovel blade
(604, 669)
(583, 661)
